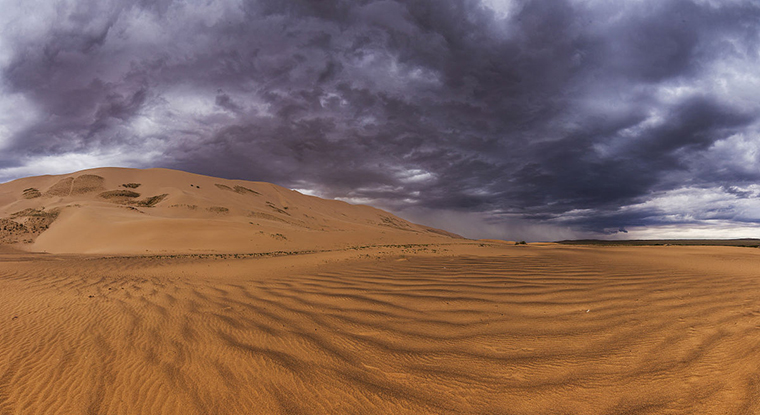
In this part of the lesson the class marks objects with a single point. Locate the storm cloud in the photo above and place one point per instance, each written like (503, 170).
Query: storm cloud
(496, 118)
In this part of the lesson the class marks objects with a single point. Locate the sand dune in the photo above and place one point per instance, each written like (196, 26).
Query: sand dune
(114, 210)
(456, 328)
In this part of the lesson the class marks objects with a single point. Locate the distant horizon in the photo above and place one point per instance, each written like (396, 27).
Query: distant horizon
(507, 119)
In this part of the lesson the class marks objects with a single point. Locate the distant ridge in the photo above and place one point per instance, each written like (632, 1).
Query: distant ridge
(743, 242)
(129, 211)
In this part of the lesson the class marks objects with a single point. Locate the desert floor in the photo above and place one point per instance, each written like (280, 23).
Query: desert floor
(460, 328)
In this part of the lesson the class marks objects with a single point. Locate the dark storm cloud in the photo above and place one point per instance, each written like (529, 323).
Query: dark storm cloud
(591, 116)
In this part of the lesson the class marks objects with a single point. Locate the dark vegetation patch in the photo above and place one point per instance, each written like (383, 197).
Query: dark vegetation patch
(7, 225)
(41, 213)
(12, 232)
(244, 190)
(119, 194)
(87, 183)
(218, 209)
(186, 206)
(223, 187)
(406, 248)
(267, 216)
(151, 201)
(223, 256)
(394, 223)
(237, 189)
(31, 193)
(27, 224)
(275, 208)
(128, 197)
(62, 188)
(131, 185)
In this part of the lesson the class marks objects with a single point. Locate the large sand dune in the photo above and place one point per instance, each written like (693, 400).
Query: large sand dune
(114, 210)
(457, 328)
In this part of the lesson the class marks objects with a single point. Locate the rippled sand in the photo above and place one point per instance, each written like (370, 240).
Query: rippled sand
(468, 329)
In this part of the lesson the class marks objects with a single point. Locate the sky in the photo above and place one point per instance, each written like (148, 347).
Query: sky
(512, 119)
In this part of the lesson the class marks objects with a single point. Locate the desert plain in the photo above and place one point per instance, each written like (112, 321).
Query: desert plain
(159, 292)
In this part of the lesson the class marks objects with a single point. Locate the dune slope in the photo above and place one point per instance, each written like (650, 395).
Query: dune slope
(115, 210)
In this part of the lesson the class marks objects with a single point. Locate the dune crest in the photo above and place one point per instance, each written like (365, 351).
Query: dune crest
(119, 210)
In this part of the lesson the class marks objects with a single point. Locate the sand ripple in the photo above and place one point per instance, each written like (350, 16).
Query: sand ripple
(557, 331)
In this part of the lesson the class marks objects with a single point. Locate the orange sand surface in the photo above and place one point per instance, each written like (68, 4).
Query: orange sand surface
(463, 327)
(132, 211)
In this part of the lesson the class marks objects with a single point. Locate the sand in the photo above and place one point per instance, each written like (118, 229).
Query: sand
(118, 211)
(155, 291)
(458, 327)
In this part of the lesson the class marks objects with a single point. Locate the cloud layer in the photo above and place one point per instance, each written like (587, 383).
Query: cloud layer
(526, 119)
